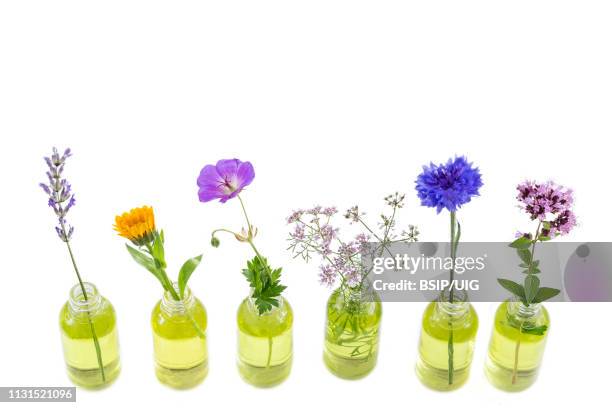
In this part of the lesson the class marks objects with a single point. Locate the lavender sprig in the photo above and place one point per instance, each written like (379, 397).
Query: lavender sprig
(61, 200)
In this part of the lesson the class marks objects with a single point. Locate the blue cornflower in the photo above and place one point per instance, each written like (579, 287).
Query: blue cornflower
(448, 185)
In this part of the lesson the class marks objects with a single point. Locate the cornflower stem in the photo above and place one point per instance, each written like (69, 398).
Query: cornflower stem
(94, 336)
(451, 345)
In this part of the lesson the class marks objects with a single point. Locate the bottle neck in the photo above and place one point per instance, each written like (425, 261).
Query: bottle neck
(517, 310)
(456, 309)
(171, 306)
(253, 306)
(77, 303)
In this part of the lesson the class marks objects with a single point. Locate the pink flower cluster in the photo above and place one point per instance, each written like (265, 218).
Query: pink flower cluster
(314, 233)
(549, 203)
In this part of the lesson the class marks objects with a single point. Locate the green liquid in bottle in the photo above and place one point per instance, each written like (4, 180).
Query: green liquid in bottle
(515, 353)
(352, 334)
(179, 341)
(265, 343)
(80, 354)
(442, 320)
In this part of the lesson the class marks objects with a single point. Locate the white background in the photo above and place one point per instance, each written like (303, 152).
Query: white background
(334, 102)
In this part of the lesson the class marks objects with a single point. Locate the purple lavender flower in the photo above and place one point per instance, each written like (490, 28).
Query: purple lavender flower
(448, 185)
(549, 203)
(61, 199)
(225, 180)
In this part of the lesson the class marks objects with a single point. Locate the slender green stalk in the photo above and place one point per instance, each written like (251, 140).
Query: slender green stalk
(517, 348)
(250, 232)
(269, 360)
(516, 355)
(451, 345)
(91, 325)
(261, 259)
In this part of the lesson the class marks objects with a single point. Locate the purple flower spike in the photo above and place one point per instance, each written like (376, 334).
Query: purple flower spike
(225, 180)
(448, 185)
(59, 192)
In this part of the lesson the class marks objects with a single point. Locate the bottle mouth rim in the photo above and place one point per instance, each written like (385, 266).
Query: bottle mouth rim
(77, 299)
(171, 305)
(514, 303)
(459, 297)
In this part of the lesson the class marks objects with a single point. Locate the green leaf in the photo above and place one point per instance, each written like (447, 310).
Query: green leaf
(513, 288)
(145, 261)
(525, 256)
(536, 331)
(265, 283)
(158, 250)
(185, 273)
(545, 293)
(521, 243)
(532, 284)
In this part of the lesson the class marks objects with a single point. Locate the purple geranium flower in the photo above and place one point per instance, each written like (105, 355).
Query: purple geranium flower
(448, 185)
(224, 180)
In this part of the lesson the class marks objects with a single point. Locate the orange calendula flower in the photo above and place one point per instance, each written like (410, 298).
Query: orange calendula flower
(138, 225)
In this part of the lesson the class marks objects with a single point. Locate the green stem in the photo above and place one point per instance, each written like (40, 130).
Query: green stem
(535, 239)
(250, 234)
(269, 360)
(196, 326)
(451, 345)
(516, 355)
(91, 325)
(261, 259)
(517, 348)
(453, 222)
(245, 213)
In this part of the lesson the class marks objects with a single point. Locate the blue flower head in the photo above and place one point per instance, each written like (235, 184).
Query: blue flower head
(448, 185)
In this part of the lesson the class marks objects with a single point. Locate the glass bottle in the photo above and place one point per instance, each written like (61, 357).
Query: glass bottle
(446, 346)
(352, 332)
(179, 340)
(78, 318)
(517, 345)
(265, 343)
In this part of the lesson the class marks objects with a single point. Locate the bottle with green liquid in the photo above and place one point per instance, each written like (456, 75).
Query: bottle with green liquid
(265, 343)
(79, 320)
(179, 340)
(352, 332)
(446, 346)
(517, 345)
